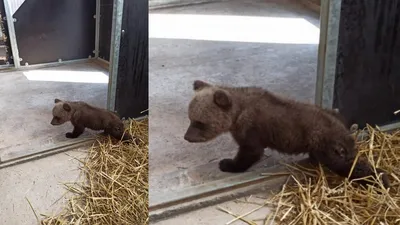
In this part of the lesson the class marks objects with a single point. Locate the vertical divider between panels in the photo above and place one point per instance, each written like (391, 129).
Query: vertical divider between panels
(323, 21)
(114, 52)
(11, 33)
(97, 34)
(331, 52)
(327, 55)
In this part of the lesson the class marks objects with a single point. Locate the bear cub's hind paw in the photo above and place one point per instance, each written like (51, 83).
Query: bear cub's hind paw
(228, 165)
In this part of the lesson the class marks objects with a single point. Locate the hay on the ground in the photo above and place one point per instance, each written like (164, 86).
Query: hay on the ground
(115, 189)
(316, 196)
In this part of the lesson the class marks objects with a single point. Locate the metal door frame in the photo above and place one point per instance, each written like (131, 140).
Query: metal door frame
(327, 56)
(327, 52)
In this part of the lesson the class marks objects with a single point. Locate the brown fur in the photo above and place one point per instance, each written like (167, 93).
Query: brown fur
(258, 119)
(83, 115)
(335, 112)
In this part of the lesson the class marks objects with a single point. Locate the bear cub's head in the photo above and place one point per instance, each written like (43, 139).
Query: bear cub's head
(210, 112)
(62, 112)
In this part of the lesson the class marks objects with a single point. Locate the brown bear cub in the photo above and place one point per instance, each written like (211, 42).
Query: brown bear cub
(83, 115)
(258, 119)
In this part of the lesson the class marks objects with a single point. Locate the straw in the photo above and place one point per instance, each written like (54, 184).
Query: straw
(115, 189)
(315, 195)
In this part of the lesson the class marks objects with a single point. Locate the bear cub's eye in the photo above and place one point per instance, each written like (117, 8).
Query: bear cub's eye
(199, 125)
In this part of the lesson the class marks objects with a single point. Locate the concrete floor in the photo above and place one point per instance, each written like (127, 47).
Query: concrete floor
(213, 216)
(27, 105)
(288, 69)
(41, 182)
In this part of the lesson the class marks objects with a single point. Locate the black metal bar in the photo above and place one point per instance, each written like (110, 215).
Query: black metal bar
(106, 10)
(132, 80)
(367, 83)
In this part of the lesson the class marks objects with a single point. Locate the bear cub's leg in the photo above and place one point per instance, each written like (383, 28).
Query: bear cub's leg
(78, 130)
(364, 169)
(117, 131)
(312, 159)
(244, 159)
(341, 162)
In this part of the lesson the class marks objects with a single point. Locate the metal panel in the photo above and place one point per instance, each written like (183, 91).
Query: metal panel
(131, 90)
(133, 70)
(48, 30)
(367, 86)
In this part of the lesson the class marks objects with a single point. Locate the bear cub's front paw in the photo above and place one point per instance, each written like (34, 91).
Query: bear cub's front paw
(69, 135)
(228, 165)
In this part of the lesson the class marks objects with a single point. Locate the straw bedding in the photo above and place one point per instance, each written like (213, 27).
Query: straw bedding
(115, 189)
(314, 195)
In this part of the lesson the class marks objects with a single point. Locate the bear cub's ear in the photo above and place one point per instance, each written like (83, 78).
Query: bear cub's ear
(222, 99)
(57, 100)
(198, 85)
(66, 107)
